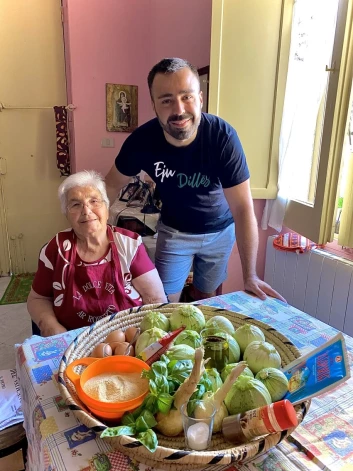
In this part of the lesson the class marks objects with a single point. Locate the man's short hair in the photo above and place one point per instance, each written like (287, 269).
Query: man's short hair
(169, 66)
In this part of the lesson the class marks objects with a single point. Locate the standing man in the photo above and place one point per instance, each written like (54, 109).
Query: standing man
(199, 167)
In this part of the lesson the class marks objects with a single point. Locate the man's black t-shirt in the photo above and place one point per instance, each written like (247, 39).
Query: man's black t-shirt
(190, 179)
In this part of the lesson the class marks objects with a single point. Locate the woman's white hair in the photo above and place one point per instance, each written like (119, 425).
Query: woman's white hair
(82, 179)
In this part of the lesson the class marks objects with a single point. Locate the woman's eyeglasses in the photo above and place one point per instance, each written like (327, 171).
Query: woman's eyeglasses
(77, 207)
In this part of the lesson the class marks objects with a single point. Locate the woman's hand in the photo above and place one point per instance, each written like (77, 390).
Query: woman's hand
(41, 311)
(51, 327)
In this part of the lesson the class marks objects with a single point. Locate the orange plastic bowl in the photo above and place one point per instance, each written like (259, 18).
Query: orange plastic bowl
(97, 366)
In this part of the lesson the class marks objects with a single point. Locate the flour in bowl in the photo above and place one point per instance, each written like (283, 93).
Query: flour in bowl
(112, 387)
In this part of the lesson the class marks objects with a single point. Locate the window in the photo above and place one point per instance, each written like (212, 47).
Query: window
(249, 70)
(312, 204)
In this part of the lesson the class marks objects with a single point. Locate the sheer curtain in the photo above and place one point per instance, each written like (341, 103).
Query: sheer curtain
(345, 236)
(313, 28)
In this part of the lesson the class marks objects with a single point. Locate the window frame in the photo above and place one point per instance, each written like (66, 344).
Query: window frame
(233, 65)
(316, 221)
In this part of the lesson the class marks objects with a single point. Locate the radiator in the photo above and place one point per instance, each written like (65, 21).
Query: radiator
(316, 282)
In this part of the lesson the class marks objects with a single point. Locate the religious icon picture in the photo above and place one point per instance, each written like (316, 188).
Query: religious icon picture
(122, 110)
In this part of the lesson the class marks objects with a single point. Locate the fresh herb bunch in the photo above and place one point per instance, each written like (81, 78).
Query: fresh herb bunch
(165, 377)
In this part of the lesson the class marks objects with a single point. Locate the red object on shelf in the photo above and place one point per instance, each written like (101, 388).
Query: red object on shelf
(293, 242)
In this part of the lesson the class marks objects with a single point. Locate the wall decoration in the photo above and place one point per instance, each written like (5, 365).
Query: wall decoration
(204, 74)
(122, 107)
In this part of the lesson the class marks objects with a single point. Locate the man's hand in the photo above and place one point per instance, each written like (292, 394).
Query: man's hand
(260, 288)
(114, 182)
(241, 205)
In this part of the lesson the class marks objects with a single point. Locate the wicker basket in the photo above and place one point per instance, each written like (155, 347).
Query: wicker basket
(171, 453)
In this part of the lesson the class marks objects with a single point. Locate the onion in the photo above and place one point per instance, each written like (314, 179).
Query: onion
(259, 355)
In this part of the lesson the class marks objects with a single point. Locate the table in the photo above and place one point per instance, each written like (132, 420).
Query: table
(57, 441)
(12, 439)
(119, 208)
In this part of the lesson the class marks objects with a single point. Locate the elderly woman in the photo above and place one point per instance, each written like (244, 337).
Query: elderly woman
(91, 270)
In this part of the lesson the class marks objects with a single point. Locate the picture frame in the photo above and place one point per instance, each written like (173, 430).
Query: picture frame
(122, 107)
(204, 74)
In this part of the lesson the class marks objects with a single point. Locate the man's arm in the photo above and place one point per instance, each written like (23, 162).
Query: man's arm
(114, 182)
(241, 206)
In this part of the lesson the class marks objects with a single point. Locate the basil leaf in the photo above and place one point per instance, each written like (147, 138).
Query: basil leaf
(149, 418)
(117, 431)
(201, 391)
(147, 374)
(149, 403)
(164, 402)
(191, 407)
(179, 370)
(171, 364)
(145, 421)
(153, 388)
(148, 439)
(162, 385)
(165, 359)
(128, 419)
(160, 368)
(172, 386)
(138, 411)
(205, 380)
(175, 365)
(141, 425)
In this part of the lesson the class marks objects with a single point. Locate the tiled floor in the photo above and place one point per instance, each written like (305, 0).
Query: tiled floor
(15, 328)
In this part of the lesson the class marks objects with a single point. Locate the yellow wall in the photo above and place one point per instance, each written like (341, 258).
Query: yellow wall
(32, 56)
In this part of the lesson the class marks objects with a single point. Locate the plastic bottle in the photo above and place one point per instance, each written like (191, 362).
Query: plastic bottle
(275, 417)
(154, 351)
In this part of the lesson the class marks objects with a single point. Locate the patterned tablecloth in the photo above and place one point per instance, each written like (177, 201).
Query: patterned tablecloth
(58, 441)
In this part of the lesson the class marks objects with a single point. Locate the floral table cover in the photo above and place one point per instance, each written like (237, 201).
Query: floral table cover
(58, 441)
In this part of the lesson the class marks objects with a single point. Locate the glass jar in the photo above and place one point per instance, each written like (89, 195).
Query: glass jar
(216, 346)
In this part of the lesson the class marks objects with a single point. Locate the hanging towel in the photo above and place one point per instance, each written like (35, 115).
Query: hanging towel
(62, 141)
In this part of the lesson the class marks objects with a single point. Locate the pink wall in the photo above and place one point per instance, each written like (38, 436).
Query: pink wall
(181, 28)
(118, 41)
(234, 281)
(114, 41)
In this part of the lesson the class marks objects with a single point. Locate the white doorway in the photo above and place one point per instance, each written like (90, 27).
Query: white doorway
(31, 83)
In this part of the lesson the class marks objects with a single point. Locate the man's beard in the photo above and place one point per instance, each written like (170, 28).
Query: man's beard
(181, 134)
